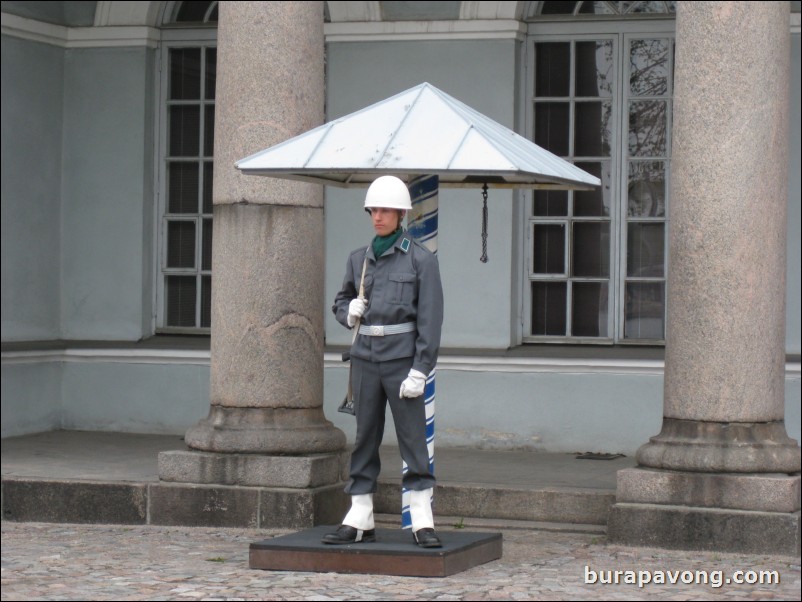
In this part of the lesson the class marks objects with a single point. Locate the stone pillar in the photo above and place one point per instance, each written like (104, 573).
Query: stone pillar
(266, 425)
(720, 475)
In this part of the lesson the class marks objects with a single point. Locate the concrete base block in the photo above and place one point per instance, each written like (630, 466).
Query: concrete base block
(711, 529)
(219, 506)
(758, 492)
(74, 502)
(252, 470)
(580, 506)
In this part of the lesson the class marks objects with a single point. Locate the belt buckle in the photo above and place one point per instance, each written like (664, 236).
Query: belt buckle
(377, 331)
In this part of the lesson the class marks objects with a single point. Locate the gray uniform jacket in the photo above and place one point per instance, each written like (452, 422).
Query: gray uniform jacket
(403, 285)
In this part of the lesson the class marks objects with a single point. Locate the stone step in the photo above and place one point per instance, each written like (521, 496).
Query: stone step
(183, 504)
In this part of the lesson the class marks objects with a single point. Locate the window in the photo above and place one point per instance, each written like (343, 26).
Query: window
(596, 260)
(188, 68)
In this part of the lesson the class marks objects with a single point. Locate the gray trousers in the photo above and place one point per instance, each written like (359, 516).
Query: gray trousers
(374, 384)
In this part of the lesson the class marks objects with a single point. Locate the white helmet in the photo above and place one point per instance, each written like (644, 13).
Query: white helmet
(388, 192)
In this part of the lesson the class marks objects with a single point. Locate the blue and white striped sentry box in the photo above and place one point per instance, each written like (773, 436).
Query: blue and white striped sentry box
(422, 225)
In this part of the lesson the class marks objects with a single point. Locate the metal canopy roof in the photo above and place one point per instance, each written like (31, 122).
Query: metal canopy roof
(422, 131)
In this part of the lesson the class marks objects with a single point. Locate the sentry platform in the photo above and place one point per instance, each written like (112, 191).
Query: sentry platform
(393, 553)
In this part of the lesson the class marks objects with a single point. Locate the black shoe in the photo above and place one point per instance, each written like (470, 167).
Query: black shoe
(346, 534)
(427, 538)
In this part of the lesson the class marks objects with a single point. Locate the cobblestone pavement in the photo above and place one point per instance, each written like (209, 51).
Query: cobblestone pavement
(113, 562)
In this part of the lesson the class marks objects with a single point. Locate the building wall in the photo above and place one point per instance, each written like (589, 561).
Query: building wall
(108, 195)
(32, 124)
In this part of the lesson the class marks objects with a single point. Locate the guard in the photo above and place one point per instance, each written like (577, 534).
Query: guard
(398, 322)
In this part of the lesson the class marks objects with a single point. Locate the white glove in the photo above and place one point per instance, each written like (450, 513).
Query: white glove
(355, 310)
(413, 385)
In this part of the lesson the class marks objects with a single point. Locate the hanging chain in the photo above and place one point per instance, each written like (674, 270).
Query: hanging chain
(483, 258)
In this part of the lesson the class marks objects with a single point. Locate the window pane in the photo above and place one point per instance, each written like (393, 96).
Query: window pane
(557, 7)
(183, 187)
(208, 181)
(206, 302)
(645, 305)
(211, 72)
(181, 301)
(594, 202)
(184, 73)
(652, 7)
(552, 69)
(589, 312)
(184, 131)
(549, 249)
(646, 189)
(592, 130)
(645, 249)
(551, 202)
(594, 69)
(181, 244)
(647, 128)
(648, 67)
(192, 12)
(548, 308)
(551, 127)
(208, 131)
(591, 249)
(595, 8)
(206, 263)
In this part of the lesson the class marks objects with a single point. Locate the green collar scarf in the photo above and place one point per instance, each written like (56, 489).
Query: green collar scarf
(382, 243)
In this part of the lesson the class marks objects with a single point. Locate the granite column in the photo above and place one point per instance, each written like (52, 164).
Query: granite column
(723, 473)
(266, 426)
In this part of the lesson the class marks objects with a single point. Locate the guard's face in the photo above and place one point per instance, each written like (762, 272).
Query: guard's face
(385, 221)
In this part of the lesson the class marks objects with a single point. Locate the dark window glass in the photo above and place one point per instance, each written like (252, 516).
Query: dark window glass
(552, 126)
(593, 129)
(184, 74)
(596, 202)
(207, 245)
(549, 249)
(184, 131)
(548, 308)
(183, 187)
(208, 181)
(194, 12)
(208, 131)
(594, 69)
(589, 312)
(181, 244)
(211, 72)
(591, 249)
(181, 300)
(206, 301)
(551, 202)
(553, 66)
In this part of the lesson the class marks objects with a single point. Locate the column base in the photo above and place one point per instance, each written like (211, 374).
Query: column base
(291, 431)
(692, 445)
(754, 513)
(709, 529)
(250, 507)
(253, 470)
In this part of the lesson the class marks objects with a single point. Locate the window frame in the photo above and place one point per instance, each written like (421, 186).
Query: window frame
(621, 31)
(178, 37)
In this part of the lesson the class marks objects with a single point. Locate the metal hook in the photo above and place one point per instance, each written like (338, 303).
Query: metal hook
(483, 258)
